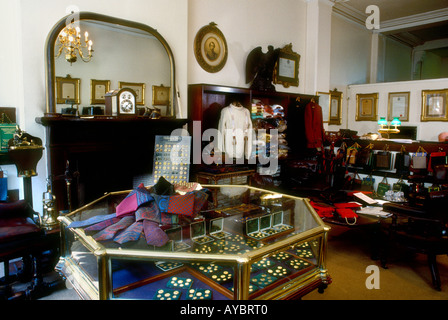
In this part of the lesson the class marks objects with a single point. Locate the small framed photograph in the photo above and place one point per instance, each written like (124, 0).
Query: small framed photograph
(139, 89)
(160, 95)
(324, 102)
(335, 107)
(366, 107)
(286, 71)
(398, 106)
(98, 90)
(68, 90)
(434, 105)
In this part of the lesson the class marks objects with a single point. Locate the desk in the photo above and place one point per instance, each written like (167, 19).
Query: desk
(419, 229)
(226, 178)
(34, 250)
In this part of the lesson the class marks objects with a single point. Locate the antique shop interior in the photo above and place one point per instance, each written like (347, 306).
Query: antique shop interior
(224, 150)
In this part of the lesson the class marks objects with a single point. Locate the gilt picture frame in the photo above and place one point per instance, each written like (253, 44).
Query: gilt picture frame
(367, 107)
(286, 71)
(98, 90)
(398, 106)
(160, 95)
(139, 89)
(324, 102)
(210, 48)
(434, 105)
(68, 90)
(335, 107)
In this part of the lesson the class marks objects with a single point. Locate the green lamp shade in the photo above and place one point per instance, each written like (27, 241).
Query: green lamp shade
(396, 122)
(382, 122)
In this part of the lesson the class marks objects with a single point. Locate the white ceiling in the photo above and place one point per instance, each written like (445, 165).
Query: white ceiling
(412, 22)
(393, 9)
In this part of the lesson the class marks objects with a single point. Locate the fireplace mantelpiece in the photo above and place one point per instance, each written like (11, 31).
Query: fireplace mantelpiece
(104, 153)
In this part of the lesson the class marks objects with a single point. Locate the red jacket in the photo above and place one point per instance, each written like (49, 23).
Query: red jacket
(314, 127)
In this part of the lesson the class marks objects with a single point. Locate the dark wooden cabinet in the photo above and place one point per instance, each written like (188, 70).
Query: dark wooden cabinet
(205, 101)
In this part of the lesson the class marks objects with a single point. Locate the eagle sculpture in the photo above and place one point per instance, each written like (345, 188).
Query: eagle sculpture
(260, 68)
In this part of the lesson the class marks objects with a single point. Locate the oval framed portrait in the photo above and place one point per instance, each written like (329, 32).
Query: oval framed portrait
(210, 48)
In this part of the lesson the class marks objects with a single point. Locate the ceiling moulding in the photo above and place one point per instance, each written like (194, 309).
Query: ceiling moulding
(415, 20)
(346, 11)
(407, 39)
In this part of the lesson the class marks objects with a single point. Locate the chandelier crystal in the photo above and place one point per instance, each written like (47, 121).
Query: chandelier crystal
(70, 42)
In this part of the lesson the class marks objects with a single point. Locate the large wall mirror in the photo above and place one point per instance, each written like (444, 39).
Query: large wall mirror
(125, 54)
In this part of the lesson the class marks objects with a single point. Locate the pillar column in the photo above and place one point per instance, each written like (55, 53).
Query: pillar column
(318, 46)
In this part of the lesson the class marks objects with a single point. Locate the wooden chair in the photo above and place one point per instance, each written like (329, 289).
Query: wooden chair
(17, 234)
(419, 230)
(21, 237)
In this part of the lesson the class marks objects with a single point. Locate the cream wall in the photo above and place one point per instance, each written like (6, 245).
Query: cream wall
(427, 131)
(350, 59)
(350, 71)
(246, 25)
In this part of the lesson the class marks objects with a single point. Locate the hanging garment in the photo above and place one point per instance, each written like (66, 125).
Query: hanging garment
(235, 128)
(314, 127)
(296, 127)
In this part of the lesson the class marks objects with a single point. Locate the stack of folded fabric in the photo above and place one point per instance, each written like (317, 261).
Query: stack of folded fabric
(144, 211)
(323, 210)
(347, 209)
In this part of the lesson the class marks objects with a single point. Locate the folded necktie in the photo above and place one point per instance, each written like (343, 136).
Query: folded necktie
(181, 205)
(132, 233)
(148, 212)
(91, 221)
(154, 235)
(188, 205)
(200, 199)
(110, 232)
(147, 220)
(133, 200)
(163, 187)
(103, 224)
(141, 213)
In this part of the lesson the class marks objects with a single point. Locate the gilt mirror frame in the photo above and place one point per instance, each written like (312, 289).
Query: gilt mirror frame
(91, 16)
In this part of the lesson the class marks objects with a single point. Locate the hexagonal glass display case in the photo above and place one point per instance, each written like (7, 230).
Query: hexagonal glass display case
(250, 244)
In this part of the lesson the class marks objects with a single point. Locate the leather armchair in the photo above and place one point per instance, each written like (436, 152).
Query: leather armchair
(18, 234)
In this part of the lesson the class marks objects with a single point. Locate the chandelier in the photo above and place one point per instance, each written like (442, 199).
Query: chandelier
(69, 41)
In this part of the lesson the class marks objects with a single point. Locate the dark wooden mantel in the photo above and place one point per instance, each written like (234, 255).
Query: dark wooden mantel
(104, 153)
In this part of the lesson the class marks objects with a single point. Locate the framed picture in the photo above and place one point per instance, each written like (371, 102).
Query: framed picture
(210, 48)
(67, 90)
(98, 90)
(398, 106)
(286, 70)
(434, 105)
(335, 107)
(139, 89)
(160, 95)
(324, 102)
(366, 106)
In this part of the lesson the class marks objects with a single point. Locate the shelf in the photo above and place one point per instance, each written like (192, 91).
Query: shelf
(57, 120)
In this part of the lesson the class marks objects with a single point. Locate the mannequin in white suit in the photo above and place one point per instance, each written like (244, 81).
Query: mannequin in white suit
(235, 128)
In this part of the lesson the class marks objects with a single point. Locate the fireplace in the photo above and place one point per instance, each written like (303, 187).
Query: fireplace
(99, 155)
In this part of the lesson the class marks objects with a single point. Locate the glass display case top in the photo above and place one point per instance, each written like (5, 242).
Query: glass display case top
(243, 220)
